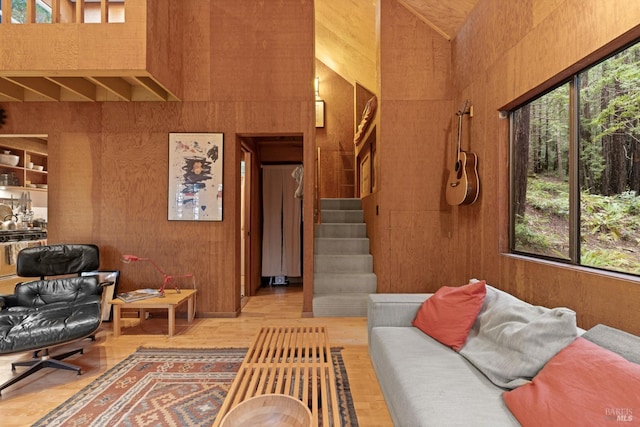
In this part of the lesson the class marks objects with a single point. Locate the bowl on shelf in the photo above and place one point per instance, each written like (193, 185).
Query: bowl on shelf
(38, 167)
(7, 158)
(42, 186)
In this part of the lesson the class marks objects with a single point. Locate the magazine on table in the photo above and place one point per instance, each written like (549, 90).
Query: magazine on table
(138, 294)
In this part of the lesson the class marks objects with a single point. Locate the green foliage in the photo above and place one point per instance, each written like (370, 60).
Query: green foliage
(610, 225)
(611, 260)
(612, 218)
(548, 195)
(619, 77)
(19, 12)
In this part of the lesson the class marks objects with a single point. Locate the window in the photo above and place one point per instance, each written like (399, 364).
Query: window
(19, 10)
(575, 168)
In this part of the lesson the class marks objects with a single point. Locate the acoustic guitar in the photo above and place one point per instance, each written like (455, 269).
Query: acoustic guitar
(463, 185)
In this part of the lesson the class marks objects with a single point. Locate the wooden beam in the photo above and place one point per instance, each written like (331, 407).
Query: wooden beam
(425, 20)
(11, 90)
(77, 85)
(115, 85)
(39, 85)
(153, 87)
(30, 17)
(55, 11)
(104, 11)
(79, 11)
(6, 12)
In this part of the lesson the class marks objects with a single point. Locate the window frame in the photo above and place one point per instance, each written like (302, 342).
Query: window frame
(571, 77)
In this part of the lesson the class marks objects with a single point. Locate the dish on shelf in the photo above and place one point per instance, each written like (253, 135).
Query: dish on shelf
(9, 159)
(42, 186)
(30, 185)
(38, 167)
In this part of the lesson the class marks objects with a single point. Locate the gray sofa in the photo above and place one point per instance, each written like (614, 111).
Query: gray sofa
(426, 383)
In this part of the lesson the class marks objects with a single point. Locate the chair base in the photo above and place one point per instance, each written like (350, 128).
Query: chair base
(44, 361)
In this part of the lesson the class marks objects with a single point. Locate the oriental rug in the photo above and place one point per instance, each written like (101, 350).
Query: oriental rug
(169, 387)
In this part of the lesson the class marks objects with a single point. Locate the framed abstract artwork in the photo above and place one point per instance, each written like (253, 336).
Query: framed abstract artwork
(195, 176)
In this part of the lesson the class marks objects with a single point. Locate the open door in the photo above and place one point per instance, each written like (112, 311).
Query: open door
(245, 223)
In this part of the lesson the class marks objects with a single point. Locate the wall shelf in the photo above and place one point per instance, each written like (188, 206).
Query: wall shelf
(27, 178)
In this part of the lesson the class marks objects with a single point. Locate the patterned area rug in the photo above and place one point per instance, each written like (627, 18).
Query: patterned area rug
(169, 387)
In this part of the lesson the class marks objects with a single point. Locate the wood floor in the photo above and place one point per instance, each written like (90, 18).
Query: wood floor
(27, 401)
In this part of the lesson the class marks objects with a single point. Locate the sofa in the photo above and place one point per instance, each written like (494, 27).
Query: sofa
(490, 355)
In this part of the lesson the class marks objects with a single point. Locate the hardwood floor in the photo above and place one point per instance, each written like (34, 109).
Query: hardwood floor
(27, 401)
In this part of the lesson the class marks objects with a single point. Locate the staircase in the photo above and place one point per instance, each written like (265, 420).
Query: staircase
(343, 275)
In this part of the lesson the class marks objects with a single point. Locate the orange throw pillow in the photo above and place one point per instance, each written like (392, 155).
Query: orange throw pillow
(449, 314)
(583, 385)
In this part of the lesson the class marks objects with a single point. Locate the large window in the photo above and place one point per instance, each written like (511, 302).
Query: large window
(575, 168)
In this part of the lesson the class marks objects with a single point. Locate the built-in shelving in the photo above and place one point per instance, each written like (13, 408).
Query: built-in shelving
(25, 172)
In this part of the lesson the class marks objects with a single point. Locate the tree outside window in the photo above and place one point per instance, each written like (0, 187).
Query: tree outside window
(594, 160)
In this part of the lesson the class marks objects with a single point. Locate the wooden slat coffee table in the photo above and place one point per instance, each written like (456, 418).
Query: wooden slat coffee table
(295, 361)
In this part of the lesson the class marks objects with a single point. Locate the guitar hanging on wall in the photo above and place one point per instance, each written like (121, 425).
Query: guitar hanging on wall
(463, 185)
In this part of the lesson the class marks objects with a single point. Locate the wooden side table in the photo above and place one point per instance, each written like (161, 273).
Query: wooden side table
(170, 301)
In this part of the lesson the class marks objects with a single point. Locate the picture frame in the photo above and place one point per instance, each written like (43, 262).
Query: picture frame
(108, 292)
(195, 176)
(319, 113)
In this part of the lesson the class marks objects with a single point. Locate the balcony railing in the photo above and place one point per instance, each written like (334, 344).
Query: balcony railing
(61, 11)
(85, 50)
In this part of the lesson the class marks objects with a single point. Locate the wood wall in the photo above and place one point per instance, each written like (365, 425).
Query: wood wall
(246, 69)
(505, 52)
(335, 139)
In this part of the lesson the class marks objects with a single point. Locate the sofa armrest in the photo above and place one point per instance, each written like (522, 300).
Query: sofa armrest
(393, 309)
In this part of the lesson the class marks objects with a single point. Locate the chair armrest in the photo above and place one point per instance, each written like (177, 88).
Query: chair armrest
(7, 301)
(393, 309)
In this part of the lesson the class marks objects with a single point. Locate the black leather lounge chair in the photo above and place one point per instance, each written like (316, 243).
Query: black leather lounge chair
(51, 311)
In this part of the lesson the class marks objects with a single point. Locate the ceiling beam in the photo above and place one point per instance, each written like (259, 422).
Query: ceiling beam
(77, 85)
(153, 87)
(425, 20)
(115, 85)
(39, 85)
(11, 90)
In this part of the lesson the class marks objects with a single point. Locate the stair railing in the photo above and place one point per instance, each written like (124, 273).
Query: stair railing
(318, 180)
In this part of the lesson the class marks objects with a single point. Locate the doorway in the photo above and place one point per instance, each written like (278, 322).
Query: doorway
(258, 151)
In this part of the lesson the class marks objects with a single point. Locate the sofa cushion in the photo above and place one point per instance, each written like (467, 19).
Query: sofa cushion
(449, 314)
(585, 385)
(511, 340)
(620, 342)
(425, 383)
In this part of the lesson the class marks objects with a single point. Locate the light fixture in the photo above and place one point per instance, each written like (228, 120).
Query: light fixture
(127, 259)
(316, 85)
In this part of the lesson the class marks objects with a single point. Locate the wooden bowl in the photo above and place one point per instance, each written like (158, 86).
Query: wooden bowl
(269, 410)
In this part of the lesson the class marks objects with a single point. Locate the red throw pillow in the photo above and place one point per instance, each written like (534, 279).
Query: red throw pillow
(449, 314)
(583, 385)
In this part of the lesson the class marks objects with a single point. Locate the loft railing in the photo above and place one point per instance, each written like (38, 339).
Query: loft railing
(84, 51)
(61, 11)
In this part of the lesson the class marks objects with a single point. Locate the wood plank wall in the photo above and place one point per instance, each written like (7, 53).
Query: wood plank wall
(335, 139)
(504, 52)
(247, 68)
